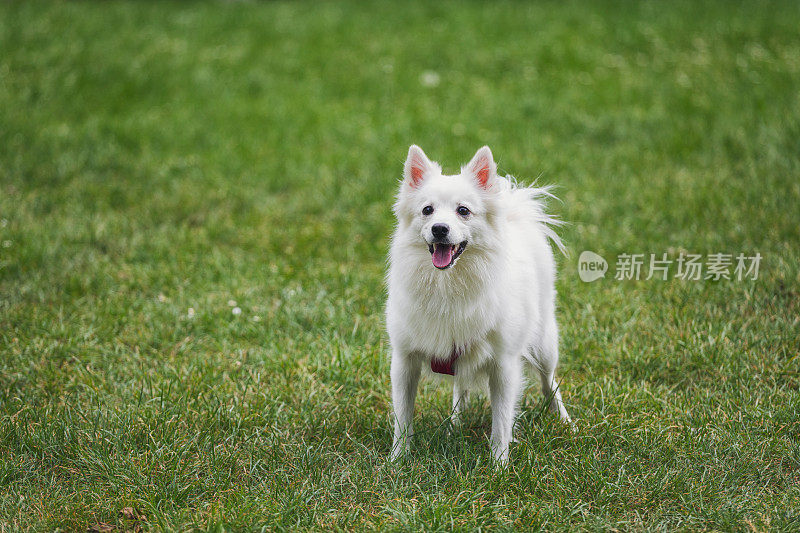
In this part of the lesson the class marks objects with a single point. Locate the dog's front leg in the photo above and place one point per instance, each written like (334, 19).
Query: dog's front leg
(505, 380)
(405, 377)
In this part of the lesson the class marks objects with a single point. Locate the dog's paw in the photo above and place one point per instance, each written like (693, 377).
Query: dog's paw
(400, 450)
(454, 426)
(500, 463)
(500, 456)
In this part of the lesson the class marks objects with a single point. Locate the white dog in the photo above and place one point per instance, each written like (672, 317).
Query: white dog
(471, 291)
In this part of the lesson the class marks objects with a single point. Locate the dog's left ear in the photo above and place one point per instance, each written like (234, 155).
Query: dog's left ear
(482, 167)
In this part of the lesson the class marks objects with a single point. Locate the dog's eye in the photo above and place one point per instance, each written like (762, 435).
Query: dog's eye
(427, 210)
(463, 211)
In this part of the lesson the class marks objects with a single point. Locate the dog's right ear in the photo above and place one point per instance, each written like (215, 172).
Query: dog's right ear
(417, 165)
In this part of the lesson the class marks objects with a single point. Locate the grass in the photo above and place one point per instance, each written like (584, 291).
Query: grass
(157, 157)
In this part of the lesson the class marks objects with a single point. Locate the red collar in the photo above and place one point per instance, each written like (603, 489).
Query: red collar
(446, 367)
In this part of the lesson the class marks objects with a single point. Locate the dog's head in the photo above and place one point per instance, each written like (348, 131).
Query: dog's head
(447, 214)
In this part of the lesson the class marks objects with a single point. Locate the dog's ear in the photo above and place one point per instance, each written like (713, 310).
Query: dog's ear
(482, 167)
(417, 165)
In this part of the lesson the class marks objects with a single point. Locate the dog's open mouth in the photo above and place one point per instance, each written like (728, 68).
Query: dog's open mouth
(444, 255)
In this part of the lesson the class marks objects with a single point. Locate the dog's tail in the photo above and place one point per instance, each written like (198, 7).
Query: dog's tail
(531, 201)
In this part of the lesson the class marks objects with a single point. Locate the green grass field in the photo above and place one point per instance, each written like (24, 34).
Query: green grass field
(162, 164)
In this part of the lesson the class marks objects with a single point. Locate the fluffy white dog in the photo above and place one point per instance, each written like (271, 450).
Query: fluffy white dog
(471, 291)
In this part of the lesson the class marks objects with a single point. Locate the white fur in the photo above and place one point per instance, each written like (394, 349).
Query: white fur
(496, 303)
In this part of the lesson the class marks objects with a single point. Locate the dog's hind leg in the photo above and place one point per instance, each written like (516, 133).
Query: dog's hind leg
(460, 400)
(545, 361)
(553, 396)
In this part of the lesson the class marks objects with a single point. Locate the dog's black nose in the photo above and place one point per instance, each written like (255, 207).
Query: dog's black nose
(440, 230)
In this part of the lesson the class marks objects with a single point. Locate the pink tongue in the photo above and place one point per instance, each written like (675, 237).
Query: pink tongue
(442, 254)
